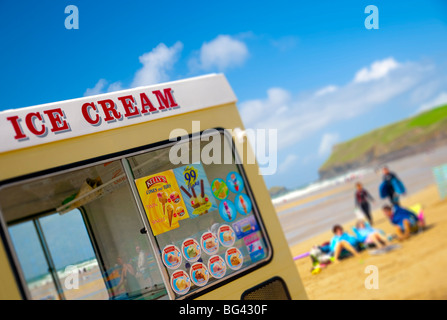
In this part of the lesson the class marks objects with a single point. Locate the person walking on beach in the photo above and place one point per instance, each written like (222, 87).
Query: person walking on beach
(362, 198)
(391, 186)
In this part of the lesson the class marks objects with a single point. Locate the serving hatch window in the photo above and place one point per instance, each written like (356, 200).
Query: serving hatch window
(139, 227)
(76, 235)
(203, 216)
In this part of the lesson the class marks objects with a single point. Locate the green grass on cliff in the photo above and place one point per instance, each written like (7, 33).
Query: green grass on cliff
(414, 130)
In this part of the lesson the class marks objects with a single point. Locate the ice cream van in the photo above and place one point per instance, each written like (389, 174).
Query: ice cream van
(145, 193)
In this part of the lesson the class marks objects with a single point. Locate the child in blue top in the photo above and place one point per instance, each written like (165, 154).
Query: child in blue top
(343, 243)
(367, 234)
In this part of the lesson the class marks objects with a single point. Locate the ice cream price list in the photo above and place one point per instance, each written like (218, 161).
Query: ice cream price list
(206, 229)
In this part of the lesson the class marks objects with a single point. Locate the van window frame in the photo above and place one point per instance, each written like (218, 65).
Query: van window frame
(122, 157)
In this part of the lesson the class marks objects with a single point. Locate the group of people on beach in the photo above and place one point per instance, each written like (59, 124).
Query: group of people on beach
(390, 188)
(404, 221)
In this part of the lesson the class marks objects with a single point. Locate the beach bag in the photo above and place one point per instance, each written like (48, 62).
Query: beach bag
(398, 186)
(383, 190)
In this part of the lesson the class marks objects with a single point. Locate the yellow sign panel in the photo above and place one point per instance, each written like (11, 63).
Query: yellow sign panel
(162, 201)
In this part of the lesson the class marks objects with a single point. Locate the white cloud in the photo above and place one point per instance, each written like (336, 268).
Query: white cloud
(288, 162)
(221, 53)
(156, 63)
(298, 116)
(326, 90)
(327, 142)
(97, 89)
(377, 70)
(102, 86)
(435, 102)
(279, 111)
(255, 110)
(116, 86)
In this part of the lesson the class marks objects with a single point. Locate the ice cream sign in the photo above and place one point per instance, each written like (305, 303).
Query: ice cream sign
(162, 201)
(57, 121)
(95, 112)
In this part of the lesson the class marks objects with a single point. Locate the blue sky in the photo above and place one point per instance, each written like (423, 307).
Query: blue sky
(312, 67)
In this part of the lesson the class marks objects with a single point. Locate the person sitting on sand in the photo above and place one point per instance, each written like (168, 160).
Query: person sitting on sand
(404, 220)
(367, 235)
(343, 243)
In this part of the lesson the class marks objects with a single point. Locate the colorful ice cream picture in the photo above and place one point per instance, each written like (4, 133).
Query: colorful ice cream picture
(227, 210)
(245, 226)
(195, 189)
(175, 197)
(209, 243)
(255, 247)
(217, 267)
(235, 182)
(220, 189)
(171, 256)
(180, 211)
(226, 235)
(180, 282)
(162, 201)
(234, 258)
(243, 204)
(191, 250)
(199, 274)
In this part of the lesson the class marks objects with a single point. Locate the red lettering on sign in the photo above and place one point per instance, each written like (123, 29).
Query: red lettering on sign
(38, 123)
(146, 103)
(85, 109)
(165, 99)
(29, 120)
(110, 111)
(129, 106)
(57, 121)
(154, 180)
(15, 120)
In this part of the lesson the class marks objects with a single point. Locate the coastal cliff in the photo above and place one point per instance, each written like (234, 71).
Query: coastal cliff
(416, 134)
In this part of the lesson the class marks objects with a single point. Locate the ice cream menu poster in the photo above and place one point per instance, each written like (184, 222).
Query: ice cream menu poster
(173, 195)
(162, 201)
(195, 189)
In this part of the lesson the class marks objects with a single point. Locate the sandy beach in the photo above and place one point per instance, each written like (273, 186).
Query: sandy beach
(415, 271)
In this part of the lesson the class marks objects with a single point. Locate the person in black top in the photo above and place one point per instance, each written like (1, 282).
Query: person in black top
(362, 198)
